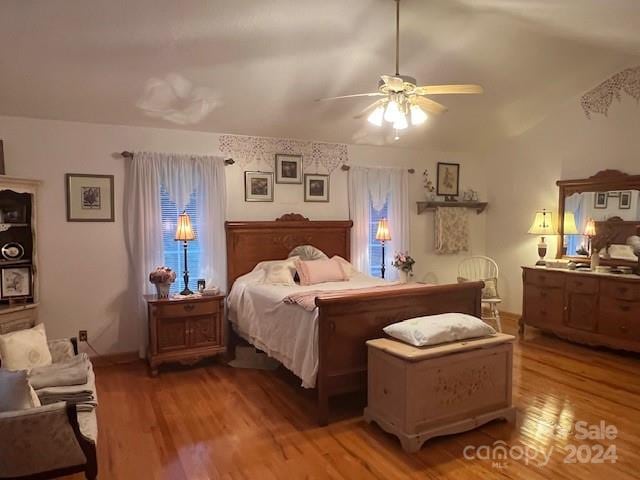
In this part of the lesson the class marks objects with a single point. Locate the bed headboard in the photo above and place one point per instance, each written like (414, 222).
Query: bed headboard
(249, 243)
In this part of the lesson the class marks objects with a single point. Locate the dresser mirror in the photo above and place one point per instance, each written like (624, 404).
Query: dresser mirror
(599, 214)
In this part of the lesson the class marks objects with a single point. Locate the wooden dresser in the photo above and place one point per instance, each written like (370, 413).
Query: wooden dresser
(586, 307)
(185, 330)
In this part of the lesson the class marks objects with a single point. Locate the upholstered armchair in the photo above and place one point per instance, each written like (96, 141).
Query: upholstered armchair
(48, 441)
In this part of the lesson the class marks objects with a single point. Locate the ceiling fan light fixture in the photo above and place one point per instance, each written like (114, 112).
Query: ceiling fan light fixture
(392, 112)
(377, 116)
(418, 116)
(401, 122)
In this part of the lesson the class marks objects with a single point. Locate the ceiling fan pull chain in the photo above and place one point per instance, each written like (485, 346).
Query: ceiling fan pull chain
(397, 37)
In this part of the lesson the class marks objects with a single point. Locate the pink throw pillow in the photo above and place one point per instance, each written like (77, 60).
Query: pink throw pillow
(320, 271)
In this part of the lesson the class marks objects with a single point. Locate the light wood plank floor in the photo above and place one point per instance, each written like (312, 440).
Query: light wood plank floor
(214, 422)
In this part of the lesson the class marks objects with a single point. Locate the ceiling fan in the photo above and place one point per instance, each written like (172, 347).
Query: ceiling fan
(402, 97)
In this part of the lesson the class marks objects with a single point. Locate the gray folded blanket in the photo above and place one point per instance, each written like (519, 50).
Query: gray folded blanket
(66, 373)
(84, 396)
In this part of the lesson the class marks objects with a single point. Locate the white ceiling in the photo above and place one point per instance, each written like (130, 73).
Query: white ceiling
(255, 66)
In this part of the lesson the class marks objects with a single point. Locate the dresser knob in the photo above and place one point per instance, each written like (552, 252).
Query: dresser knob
(625, 308)
(188, 307)
(623, 289)
(623, 328)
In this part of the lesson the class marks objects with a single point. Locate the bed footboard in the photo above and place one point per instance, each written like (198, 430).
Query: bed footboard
(346, 323)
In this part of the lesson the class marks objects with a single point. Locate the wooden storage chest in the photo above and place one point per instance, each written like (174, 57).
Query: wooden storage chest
(420, 393)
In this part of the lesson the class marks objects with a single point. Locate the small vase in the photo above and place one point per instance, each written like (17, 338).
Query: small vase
(595, 261)
(403, 276)
(163, 289)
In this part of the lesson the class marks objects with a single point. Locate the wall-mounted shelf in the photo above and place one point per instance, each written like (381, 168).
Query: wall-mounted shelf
(431, 206)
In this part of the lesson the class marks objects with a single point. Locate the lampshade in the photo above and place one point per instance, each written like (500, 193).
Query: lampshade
(542, 224)
(570, 227)
(184, 230)
(590, 228)
(383, 234)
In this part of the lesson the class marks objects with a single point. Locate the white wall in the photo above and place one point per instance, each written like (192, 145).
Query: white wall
(84, 267)
(522, 175)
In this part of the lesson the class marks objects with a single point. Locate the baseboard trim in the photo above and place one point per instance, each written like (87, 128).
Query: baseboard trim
(115, 359)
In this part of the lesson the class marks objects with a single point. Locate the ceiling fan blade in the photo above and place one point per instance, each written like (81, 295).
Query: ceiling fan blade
(371, 107)
(372, 94)
(430, 105)
(448, 89)
(394, 83)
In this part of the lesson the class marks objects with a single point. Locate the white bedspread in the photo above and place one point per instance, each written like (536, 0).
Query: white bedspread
(285, 332)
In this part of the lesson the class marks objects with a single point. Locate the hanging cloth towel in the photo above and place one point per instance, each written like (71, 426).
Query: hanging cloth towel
(452, 230)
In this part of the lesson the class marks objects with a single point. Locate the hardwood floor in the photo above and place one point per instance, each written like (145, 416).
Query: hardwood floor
(215, 422)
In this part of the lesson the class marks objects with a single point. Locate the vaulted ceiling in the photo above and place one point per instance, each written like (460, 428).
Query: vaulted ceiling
(255, 66)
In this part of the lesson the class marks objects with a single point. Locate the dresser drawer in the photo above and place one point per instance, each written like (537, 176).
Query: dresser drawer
(544, 306)
(620, 290)
(188, 309)
(578, 284)
(619, 318)
(544, 279)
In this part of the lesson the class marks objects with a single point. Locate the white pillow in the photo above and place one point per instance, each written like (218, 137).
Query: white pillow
(308, 252)
(435, 329)
(25, 349)
(348, 268)
(278, 274)
(289, 262)
(15, 391)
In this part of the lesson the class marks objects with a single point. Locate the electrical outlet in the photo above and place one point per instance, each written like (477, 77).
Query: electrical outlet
(82, 336)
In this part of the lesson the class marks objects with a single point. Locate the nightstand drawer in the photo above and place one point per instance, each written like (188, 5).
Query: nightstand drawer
(188, 309)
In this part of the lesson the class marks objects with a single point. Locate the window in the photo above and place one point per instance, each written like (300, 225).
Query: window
(375, 250)
(173, 250)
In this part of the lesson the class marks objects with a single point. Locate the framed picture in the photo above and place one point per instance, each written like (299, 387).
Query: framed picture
(600, 200)
(624, 201)
(89, 198)
(316, 188)
(448, 179)
(16, 282)
(258, 186)
(288, 168)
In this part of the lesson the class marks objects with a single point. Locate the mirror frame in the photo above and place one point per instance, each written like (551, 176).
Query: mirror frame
(603, 181)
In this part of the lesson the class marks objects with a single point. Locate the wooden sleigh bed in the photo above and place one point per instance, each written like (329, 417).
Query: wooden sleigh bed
(344, 323)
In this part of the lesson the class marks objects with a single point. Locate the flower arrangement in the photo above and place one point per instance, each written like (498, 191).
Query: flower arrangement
(403, 262)
(428, 185)
(162, 275)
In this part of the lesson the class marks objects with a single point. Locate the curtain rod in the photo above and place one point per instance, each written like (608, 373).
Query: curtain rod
(227, 161)
(346, 168)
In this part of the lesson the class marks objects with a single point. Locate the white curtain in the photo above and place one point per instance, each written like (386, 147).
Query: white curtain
(359, 212)
(180, 175)
(398, 211)
(371, 187)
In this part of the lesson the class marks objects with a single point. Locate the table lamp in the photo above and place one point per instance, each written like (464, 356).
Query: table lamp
(383, 235)
(185, 233)
(569, 228)
(542, 225)
(590, 232)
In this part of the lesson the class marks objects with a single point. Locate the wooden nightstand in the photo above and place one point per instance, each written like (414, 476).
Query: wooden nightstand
(185, 330)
